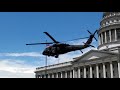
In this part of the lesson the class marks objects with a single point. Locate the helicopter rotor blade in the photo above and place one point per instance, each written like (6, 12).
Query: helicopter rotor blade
(38, 43)
(89, 32)
(92, 46)
(93, 34)
(75, 39)
(81, 51)
(51, 37)
(95, 38)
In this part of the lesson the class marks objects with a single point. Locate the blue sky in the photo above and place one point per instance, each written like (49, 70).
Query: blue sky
(19, 28)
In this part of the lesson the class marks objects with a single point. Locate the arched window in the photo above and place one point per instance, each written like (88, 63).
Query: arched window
(118, 33)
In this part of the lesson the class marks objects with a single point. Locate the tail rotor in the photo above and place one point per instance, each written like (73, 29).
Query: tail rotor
(93, 34)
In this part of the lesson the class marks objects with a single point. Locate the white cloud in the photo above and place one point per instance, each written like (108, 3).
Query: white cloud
(28, 54)
(15, 69)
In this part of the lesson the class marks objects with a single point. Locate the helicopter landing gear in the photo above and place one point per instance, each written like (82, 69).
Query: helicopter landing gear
(56, 56)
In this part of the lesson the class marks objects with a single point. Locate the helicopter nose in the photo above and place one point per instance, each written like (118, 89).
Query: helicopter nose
(44, 53)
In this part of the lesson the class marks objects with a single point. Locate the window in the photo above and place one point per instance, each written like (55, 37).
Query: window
(100, 39)
(50, 75)
(81, 76)
(93, 75)
(92, 68)
(87, 76)
(99, 75)
(106, 75)
(117, 20)
(81, 70)
(103, 37)
(107, 36)
(112, 35)
(59, 75)
(118, 33)
(106, 66)
(86, 69)
(99, 67)
(113, 73)
(46, 75)
(113, 66)
(54, 75)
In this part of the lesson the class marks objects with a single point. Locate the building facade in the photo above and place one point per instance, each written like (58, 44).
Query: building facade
(101, 63)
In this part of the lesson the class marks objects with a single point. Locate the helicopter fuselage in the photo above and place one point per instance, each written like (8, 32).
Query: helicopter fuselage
(57, 49)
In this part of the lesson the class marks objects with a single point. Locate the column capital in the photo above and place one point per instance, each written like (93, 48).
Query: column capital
(90, 65)
(103, 63)
(110, 62)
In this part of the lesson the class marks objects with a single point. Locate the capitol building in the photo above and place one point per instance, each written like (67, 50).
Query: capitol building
(101, 63)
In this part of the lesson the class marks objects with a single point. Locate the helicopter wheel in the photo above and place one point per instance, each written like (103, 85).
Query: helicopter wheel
(56, 56)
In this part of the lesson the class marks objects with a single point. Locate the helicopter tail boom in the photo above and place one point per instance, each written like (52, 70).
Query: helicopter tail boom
(89, 41)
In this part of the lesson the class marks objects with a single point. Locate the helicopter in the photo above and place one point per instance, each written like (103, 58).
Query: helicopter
(58, 48)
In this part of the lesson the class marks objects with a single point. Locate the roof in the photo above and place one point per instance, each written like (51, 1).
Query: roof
(94, 54)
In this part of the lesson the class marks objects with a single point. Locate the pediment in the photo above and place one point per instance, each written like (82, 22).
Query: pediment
(93, 54)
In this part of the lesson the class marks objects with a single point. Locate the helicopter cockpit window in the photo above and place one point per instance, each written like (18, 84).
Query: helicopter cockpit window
(47, 49)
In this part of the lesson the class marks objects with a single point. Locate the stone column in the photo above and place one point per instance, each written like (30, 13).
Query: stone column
(36, 76)
(115, 35)
(99, 40)
(84, 72)
(102, 37)
(119, 69)
(97, 71)
(40, 76)
(111, 70)
(45, 76)
(48, 75)
(104, 71)
(90, 71)
(79, 72)
(105, 38)
(52, 75)
(110, 35)
(56, 75)
(61, 74)
(71, 74)
(65, 74)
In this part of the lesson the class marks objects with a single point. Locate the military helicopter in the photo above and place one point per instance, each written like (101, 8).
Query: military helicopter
(58, 48)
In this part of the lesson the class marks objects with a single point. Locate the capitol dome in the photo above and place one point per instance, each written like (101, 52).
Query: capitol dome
(109, 31)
